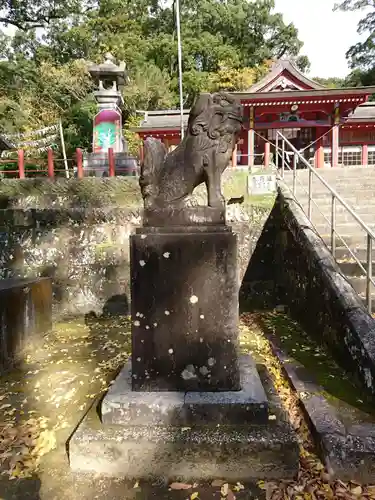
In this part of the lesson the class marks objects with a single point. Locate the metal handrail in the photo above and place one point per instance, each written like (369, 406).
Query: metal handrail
(335, 198)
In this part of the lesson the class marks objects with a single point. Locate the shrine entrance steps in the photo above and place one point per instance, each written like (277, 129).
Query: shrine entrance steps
(356, 185)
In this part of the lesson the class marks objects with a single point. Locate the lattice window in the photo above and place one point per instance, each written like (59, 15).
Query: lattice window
(327, 156)
(350, 156)
(307, 134)
(371, 155)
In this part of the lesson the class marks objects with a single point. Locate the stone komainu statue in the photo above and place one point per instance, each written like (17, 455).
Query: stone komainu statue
(214, 125)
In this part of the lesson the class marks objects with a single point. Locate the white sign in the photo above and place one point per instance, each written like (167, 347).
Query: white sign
(262, 184)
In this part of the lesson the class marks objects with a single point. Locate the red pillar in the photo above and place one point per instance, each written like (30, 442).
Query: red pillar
(251, 147)
(141, 153)
(111, 163)
(234, 157)
(244, 158)
(267, 149)
(50, 169)
(21, 164)
(335, 136)
(335, 146)
(79, 159)
(319, 154)
(251, 138)
(365, 155)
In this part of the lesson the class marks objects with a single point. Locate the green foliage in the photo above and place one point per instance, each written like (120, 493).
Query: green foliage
(303, 63)
(331, 83)
(26, 14)
(235, 79)
(362, 54)
(132, 138)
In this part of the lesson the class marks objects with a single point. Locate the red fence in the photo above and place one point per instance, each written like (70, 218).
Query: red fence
(51, 167)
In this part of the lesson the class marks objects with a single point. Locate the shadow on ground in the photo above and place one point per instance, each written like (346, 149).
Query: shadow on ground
(44, 399)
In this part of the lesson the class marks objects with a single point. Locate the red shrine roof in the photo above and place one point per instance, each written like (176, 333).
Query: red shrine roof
(356, 95)
(284, 85)
(284, 76)
(168, 119)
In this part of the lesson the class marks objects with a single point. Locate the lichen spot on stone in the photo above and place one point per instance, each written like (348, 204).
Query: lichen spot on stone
(155, 325)
(166, 312)
(166, 255)
(201, 316)
(138, 314)
(147, 327)
(142, 263)
(211, 361)
(136, 323)
(189, 373)
(193, 299)
(138, 359)
(170, 351)
(204, 370)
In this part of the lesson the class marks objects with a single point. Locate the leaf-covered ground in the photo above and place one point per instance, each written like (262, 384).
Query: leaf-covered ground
(43, 401)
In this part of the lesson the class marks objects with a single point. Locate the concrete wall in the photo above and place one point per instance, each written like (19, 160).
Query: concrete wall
(292, 266)
(82, 242)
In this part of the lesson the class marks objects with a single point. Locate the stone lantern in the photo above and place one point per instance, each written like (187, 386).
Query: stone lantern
(110, 78)
(107, 131)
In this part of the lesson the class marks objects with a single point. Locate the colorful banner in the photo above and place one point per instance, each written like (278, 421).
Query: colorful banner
(107, 131)
(38, 142)
(34, 133)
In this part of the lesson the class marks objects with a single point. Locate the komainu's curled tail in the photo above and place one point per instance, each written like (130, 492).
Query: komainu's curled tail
(153, 162)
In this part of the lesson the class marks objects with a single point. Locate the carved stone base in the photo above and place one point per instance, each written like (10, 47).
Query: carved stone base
(122, 406)
(193, 436)
(184, 310)
(184, 216)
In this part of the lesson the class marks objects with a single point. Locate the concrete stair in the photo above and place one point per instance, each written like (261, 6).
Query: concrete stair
(357, 187)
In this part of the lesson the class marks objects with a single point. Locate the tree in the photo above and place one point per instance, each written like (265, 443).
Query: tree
(30, 14)
(302, 63)
(331, 83)
(37, 95)
(362, 54)
(232, 79)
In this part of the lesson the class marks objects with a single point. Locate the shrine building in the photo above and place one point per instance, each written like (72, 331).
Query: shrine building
(332, 127)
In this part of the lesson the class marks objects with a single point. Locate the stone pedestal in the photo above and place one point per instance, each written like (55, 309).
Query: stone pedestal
(187, 406)
(184, 310)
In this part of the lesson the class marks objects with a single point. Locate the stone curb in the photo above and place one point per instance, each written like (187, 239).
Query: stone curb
(348, 452)
(343, 315)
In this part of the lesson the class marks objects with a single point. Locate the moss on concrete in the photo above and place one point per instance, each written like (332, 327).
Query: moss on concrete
(336, 383)
(235, 186)
(95, 192)
(102, 192)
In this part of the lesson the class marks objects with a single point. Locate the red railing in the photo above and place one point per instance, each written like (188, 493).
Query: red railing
(51, 167)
